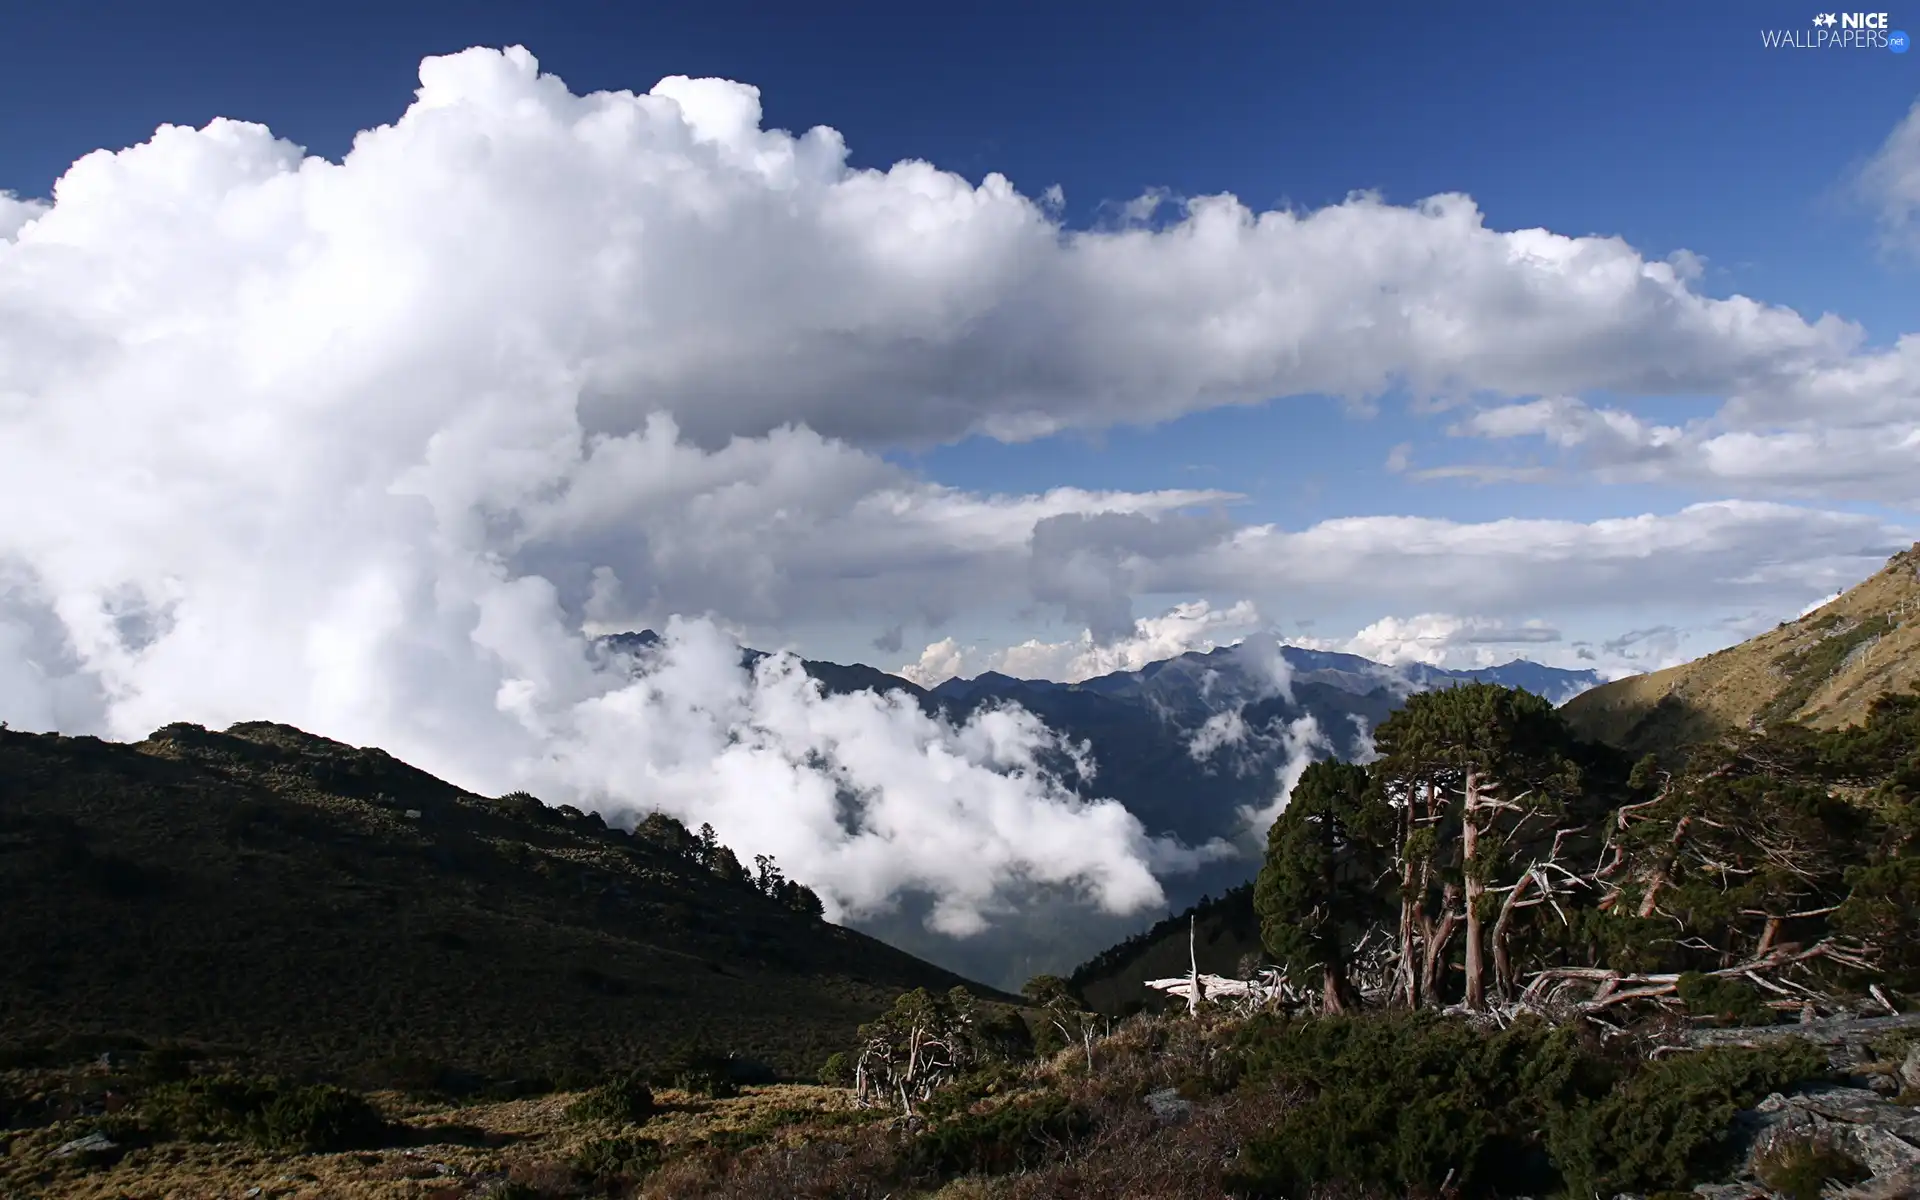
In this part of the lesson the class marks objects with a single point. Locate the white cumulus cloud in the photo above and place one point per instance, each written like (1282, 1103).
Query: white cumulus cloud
(1440, 640)
(1191, 625)
(369, 446)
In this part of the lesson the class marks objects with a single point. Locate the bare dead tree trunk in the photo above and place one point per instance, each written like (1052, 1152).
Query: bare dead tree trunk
(1438, 938)
(1502, 933)
(1407, 971)
(1193, 968)
(1416, 928)
(1663, 872)
(1476, 887)
(1407, 981)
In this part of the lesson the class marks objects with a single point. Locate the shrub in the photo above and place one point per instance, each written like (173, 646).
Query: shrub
(994, 1079)
(1672, 1123)
(713, 1083)
(627, 1100)
(231, 1108)
(1411, 1102)
(218, 1108)
(1009, 1138)
(837, 1071)
(699, 1070)
(1800, 1168)
(618, 1159)
(1731, 1000)
(319, 1118)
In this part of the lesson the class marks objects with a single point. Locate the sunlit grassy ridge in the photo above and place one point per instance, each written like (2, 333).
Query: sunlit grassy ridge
(1823, 670)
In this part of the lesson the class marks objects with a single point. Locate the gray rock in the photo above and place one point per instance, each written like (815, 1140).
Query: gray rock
(1904, 1186)
(1910, 1069)
(93, 1143)
(1882, 1136)
(1169, 1105)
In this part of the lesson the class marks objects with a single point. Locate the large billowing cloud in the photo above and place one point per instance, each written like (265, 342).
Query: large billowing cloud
(15, 213)
(367, 446)
(663, 252)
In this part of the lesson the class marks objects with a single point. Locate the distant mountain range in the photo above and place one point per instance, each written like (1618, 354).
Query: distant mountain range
(1822, 669)
(1185, 744)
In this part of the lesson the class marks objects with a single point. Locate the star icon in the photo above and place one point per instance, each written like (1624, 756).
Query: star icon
(1827, 19)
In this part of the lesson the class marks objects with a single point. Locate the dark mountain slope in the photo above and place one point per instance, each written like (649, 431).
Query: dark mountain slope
(1218, 933)
(325, 907)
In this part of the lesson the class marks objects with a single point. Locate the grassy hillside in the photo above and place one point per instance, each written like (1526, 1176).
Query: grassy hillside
(1823, 670)
(332, 910)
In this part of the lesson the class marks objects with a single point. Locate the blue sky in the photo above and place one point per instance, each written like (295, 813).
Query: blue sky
(1667, 126)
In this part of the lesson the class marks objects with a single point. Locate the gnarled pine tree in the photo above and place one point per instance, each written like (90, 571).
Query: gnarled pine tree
(1325, 879)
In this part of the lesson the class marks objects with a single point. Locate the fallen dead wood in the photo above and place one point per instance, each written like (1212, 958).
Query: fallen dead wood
(1832, 1032)
(1768, 972)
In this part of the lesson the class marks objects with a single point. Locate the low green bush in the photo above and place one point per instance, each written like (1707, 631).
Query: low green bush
(1671, 1124)
(837, 1071)
(697, 1068)
(1731, 1000)
(1410, 1103)
(710, 1082)
(1009, 1138)
(219, 1108)
(994, 1079)
(1417, 1103)
(1800, 1168)
(618, 1159)
(264, 1112)
(626, 1100)
(319, 1118)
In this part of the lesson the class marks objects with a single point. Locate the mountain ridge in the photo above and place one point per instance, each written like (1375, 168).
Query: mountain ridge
(1822, 669)
(195, 885)
(1144, 732)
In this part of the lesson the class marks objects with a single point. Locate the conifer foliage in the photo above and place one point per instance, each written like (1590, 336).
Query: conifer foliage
(1488, 857)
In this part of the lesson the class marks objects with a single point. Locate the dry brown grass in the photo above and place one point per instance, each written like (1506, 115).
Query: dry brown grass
(436, 1150)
